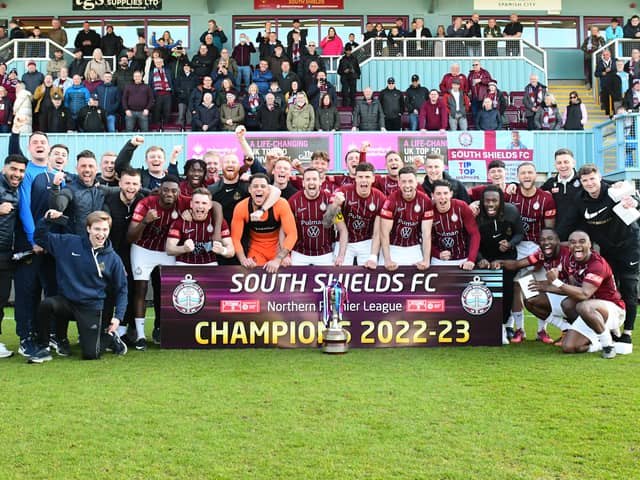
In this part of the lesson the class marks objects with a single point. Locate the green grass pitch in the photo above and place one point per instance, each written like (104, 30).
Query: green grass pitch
(519, 412)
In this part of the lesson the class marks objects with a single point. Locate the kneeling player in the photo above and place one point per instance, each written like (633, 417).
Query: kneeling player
(193, 242)
(593, 303)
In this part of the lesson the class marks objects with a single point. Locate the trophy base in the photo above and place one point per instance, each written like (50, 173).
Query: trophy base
(335, 341)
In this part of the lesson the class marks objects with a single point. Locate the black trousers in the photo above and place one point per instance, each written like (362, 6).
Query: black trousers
(6, 275)
(348, 92)
(393, 123)
(161, 109)
(93, 338)
(110, 301)
(627, 281)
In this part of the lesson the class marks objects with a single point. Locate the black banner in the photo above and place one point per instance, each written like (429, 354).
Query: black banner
(89, 5)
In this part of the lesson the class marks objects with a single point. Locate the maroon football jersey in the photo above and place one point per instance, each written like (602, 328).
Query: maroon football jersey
(313, 238)
(407, 217)
(202, 235)
(154, 236)
(451, 231)
(533, 211)
(596, 271)
(360, 213)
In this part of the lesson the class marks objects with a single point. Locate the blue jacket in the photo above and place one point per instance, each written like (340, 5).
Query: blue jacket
(262, 80)
(83, 273)
(110, 98)
(76, 97)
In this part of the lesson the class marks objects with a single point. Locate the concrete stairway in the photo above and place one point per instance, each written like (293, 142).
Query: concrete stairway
(561, 89)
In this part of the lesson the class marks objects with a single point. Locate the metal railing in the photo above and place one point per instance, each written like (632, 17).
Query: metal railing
(620, 49)
(412, 48)
(616, 144)
(40, 50)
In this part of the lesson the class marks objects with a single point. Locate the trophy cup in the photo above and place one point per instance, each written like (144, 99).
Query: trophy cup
(335, 337)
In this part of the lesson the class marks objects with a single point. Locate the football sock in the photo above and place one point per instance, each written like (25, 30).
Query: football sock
(140, 327)
(605, 338)
(518, 317)
(122, 329)
(542, 325)
(628, 332)
(559, 322)
(509, 323)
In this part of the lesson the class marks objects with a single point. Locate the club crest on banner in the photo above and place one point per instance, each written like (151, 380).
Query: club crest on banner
(476, 298)
(188, 297)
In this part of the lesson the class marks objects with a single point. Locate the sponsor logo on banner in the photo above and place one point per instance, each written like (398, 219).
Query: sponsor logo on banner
(188, 296)
(425, 305)
(240, 306)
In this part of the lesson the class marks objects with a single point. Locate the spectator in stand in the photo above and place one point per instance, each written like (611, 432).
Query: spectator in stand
(321, 87)
(456, 30)
(63, 81)
(454, 72)
(231, 113)
(271, 116)
(534, 94)
(489, 117)
(458, 105)
(22, 107)
(161, 82)
(206, 118)
(368, 115)
(216, 31)
(220, 97)
(36, 49)
(297, 30)
(301, 117)
(202, 63)
(513, 29)
(548, 116)
(176, 61)
(4, 36)
(296, 49)
(286, 76)
(91, 117)
(221, 73)
(631, 100)
(87, 39)
(110, 100)
(369, 32)
(185, 84)
(415, 96)
(11, 84)
(92, 81)
(6, 111)
(394, 43)
(58, 119)
(434, 114)
(165, 43)
(439, 45)
(140, 54)
(15, 30)
(267, 42)
(123, 75)
(473, 31)
(420, 48)
(199, 91)
(613, 31)
(349, 72)
(242, 55)
(614, 88)
(57, 33)
(43, 98)
(78, 65)
(378, 42)
(352, 42)
(604, 67)
(56, 63)
(632, 67)
(251, 103)
(498, 100)
(75, 98)
(229, 63)
(212, 51)
(331, 44)
(327, 117)
(289, 98)
(137, 101)
(632, 31)
(262, 77)
(309, 57)
(574, 116)
(32, 77)
(399, 23)
(492, 30)
(111, 44)
(590, 44)
(275, 60)
(392, 102)
(479, 80)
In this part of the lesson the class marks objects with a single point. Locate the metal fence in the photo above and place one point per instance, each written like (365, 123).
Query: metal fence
(616, 145)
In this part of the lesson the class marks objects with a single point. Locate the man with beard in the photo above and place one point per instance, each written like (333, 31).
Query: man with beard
(281, 178)
(434, 166)
(86, 265)
(455, 238)
(153, 175)
(593, 303)
(315, 240)
(12, 175)
(107, 175)
(193, 242)
(388, 183)
(405, 224)
(194, 171)
(501, 231)
(352, 159)
(264, 247)
(593, 211)
(319, 161)
(545, 306)
(120, 205)
(537, 211)
(359, 204)
(147, 232)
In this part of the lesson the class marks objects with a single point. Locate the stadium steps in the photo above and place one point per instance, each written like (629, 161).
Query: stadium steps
(561, 90)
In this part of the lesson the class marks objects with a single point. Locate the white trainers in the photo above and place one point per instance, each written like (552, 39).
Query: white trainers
(505, 339)
(4, 353)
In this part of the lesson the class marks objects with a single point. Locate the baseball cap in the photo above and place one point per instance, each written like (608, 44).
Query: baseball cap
(57, 96)
(95, 97)
(31, 62)
(415, 78)
(391, 80)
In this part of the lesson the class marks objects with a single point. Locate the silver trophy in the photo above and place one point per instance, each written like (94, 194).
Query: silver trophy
(335, 337)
